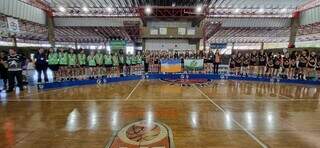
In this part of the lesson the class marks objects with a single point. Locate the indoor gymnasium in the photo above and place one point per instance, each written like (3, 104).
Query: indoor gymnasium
(159, 73)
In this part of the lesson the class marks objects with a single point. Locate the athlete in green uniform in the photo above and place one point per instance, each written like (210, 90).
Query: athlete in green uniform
(92, 64)
(72, 59)
(72, 62)
(108, 63)
(82, 60)
(53, 63)
(63, 62)
(99, 61)
(128, 64)
(99, 58)
(115, 62)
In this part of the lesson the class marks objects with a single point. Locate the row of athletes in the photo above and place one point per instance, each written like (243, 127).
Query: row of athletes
(70, 65)
(295, 65)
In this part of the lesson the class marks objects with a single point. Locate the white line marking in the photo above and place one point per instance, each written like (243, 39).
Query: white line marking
(236, 122)
(105, 100)
(133, 90)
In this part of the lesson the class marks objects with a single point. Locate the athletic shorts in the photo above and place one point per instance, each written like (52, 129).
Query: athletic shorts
(276, 66)
(262, 63)
(108, 65)
(253, 64)
(302, 65)
(238, 65)
(54, 67)
(231, 66)
(286, 66)
(245, 65)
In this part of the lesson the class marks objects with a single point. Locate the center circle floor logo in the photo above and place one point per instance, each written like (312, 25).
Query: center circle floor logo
(143, 133)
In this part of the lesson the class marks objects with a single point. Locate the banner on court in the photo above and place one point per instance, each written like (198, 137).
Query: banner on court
(193, 64)
(171, 65)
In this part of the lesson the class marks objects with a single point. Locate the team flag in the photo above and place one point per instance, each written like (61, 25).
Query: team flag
(193, 64)
(171, 65)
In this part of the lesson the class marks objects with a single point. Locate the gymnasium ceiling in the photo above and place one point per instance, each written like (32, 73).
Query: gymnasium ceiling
(243, 21)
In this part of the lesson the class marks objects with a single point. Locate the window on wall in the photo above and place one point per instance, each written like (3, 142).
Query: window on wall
(108, 49)
(129, 50)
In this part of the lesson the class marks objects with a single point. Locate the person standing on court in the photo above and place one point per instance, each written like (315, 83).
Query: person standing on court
(217, 61)
(3, 70)
(41, 64)
(14, 62)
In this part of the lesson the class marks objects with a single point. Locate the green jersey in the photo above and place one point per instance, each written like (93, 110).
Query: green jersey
(107, 59)
(53, 58)
(115, 60)
(63, 58)
(139, 59)
(121, 59)
(128, 60)
(134, 60)
(72, 59)
(99, 58)
(82, 59)
(91, 60)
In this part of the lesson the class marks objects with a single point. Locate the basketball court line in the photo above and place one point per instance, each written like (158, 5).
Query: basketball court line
(133, 90)
(49, 91)
(235, 121)
(108, 100)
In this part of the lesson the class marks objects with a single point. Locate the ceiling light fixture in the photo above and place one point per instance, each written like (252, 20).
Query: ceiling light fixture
(261, 10)
(284, 10)
(85, 9)
(62, 9)
(109, 9)
(148, 10)
(199, 9)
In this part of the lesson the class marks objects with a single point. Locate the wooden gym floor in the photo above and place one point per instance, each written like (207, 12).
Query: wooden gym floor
(223, 114)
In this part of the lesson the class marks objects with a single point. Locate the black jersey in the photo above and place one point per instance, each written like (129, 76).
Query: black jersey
(246, 61)
(270, 62)
(318, 64)
(312, 62)
(262, 59)
(286, 62)
(238, 61)
(253, 59)
(303, 61)
(232, 62)
(276, 62)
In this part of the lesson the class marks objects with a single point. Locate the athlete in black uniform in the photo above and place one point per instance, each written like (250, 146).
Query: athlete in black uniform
(253, 62)
(238, 63)
(318, 67)
(312, 63)
(293, 64)
(270, 65)
(276, 65)
(232, 64)
(262, 63)
(245, 64)
(303, 60)
(286, 65)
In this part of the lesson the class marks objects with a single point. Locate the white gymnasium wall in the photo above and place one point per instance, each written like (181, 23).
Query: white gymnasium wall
(168, 44)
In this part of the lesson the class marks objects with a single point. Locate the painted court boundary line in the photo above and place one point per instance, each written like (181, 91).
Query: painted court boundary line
(133, 90)
(235, 121)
